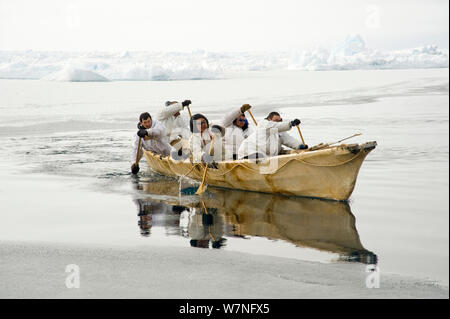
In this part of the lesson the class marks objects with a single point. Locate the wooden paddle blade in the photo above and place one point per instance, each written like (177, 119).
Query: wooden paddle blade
(202, 187)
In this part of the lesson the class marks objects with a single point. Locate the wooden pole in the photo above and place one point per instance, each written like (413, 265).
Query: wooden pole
(301, 136)
(252, 117)
(189, 111)
(202, 188)
(138, 151)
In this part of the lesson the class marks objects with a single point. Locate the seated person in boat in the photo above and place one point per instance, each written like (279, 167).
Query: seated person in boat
(153, 137)
(236, 130)
(205, 145)
(176, 123)
(269, 137)
(218, 148)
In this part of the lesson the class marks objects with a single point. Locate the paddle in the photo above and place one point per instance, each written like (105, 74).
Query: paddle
(252, 117)
(189, 111)
(135, 166)
(356, 134)
(321, 145)
(202, 188)
(301, 136)
(208, 221)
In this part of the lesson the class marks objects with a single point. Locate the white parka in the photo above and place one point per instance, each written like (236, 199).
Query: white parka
(267, 139)
(176, 126)
(199, 145)
(234, 136)
(157, 143)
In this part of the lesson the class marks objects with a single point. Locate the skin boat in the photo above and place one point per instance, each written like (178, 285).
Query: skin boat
(330, 172)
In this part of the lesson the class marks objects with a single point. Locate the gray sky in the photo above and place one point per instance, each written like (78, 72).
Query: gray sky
(231, 25)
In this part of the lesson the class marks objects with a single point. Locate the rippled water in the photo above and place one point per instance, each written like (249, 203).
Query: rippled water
(69, 145)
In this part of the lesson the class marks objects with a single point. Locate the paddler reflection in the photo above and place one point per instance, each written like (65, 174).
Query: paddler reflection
(206, 225)
(145, 217)
(158, 213)
(323, 225)
(199, 224)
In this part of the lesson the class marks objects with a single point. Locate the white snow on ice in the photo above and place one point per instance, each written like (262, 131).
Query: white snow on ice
(70, 74)
(352, 54)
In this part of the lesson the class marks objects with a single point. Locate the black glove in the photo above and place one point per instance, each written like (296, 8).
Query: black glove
(303, 147)
(295, 122)
(134, 169)
(142, 132)
(206, 158)
(186, 103)
(140, 126)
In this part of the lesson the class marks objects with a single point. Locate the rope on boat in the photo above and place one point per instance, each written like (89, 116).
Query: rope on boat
(213, 172)
(185, 175)
(292, 159)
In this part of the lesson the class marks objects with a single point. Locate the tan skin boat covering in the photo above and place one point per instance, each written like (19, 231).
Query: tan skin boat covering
(328, 173)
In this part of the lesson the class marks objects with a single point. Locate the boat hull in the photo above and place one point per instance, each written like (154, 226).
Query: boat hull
(329, 173)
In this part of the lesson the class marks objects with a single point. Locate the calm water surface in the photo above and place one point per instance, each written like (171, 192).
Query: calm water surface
(65, 153)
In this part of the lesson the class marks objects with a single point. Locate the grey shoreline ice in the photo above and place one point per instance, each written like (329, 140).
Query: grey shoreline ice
(38, 270)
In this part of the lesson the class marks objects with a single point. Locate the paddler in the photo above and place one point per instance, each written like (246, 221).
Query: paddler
(269, 137)
(176, 123)
(151, 136)
(202, 137)
(236, 130)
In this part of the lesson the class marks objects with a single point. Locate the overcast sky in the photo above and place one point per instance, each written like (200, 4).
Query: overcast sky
(226, 25)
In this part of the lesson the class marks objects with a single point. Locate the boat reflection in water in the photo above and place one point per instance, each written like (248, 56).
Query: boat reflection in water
(208, 221)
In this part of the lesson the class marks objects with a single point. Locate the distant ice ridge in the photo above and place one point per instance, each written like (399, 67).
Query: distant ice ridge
(70, 74)
(102, 66)
(352, 54)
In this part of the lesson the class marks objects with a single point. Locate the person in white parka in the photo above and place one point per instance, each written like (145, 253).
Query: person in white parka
(236, 130)
(153, 138)
(176, 124)
(205, 144)
(200, 140)
(269, 137)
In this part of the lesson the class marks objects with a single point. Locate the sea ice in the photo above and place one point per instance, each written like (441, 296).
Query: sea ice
(352, 54)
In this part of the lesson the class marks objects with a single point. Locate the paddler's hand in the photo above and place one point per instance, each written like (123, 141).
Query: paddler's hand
(134, 169)
(303, 147)
(142, 132)
(245, 108)
(186, 103)
(295, 122)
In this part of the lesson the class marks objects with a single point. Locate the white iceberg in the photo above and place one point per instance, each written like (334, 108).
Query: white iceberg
(70, 74)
